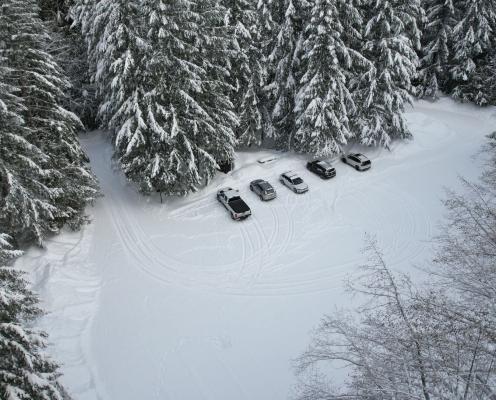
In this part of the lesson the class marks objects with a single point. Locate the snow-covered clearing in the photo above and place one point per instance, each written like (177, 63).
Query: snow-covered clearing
(177, 301)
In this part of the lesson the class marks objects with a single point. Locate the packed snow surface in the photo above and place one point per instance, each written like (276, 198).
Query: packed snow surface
(177, 301)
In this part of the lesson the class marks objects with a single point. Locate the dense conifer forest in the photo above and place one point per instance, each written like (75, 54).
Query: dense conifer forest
(180, 85)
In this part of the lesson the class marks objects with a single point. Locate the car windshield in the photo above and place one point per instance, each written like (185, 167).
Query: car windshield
(269, 191)
(235, 198)
(324, 165)
(297, 181)
(366, 162)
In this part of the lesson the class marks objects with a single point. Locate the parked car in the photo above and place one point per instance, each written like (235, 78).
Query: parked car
(263, 189)
(357, 160)
(292, 180)
(231, 200)
(322, 169)
(267, 160)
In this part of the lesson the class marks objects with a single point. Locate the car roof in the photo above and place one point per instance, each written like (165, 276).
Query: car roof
(360, 156)
(290, 174)
(324, 164)
(267, 159)
(230, 191)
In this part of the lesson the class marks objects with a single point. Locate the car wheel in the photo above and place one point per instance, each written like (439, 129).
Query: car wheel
(344, 160)
(294, 190)
(251, 188)
(356, 167)
(261, 197)
(232, 217)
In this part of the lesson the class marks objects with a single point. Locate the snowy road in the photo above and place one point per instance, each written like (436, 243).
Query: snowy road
(179, 302)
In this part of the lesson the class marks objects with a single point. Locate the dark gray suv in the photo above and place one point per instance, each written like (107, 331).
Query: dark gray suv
(263, 189)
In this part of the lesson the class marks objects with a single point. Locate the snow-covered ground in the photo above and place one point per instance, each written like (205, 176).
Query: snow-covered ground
(177, 301)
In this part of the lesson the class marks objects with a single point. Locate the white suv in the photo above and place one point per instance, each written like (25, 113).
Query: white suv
(357, 160)
(292, 180)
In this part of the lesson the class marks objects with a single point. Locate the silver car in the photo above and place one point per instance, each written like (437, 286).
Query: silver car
(357, 160)
(263, 189)
(293, 181)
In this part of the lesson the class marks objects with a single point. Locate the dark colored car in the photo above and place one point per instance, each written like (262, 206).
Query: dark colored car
(322, 169)
(263, 189)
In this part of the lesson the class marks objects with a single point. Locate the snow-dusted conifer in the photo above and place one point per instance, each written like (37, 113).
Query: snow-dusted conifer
(269, 18)
(323, 102)
(267, 26)
(473, 48)
(481, 88)
(247, 71)
(285, 61)
(162, 76)
(250, 130)
(185, 117)
(433, 74)
(26, 373)
(25, 206)
(472, 36)
(68, 48)
(48, 184)
(116, 48)
(383, 90)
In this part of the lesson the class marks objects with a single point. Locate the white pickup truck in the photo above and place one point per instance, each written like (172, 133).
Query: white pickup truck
(230, 198)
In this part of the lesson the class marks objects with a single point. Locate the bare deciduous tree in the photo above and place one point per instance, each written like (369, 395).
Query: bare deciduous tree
(437, 343)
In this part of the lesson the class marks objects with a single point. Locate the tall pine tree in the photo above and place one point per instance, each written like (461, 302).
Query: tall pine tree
(437, 45)
(473, 49)
(162, 76)
(25, 201)
(285, 60)
(190, 69)
(116, 48)
(390, 36)
(45, 181)
(247, 71)
(323, 102)
(26, 373)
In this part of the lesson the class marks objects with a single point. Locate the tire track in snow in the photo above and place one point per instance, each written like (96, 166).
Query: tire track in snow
(138, 246)
(271, 254)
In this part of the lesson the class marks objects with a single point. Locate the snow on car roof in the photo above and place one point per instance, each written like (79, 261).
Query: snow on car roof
(361, 156)
(267, 160)
(290, 174)
(324, 164)
(230, 191)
